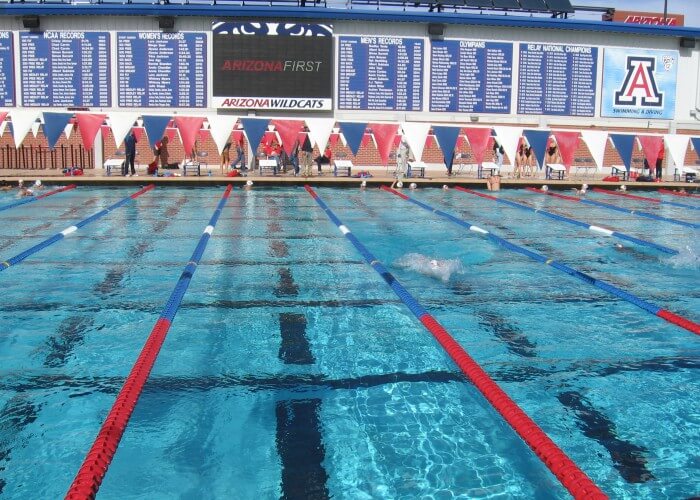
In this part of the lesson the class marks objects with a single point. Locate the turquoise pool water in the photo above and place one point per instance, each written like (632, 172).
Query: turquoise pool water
(291, 369)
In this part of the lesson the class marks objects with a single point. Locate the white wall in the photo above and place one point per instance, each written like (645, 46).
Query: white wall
(687, 114)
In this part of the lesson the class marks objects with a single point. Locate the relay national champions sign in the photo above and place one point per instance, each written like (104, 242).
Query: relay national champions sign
(272, 66)
(639, 83)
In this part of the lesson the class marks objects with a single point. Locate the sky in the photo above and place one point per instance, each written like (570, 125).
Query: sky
(689, 8)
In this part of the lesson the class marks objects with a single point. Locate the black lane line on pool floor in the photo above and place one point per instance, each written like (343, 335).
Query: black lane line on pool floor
(294, 348)
(69, 334)
(300, 446)
(304, 386)
(515, 340)
(628, 458)
(33, 231)
(18, 413)
(298, 431)
(293, 386)
(114, 276)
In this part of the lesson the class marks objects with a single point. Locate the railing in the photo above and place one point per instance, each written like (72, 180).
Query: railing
(40, 157)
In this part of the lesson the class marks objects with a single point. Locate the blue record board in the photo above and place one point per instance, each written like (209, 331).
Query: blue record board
(471, 76)
(158, 69)
(557, 79)
(65, 68)
(7, 69)
(380, 73)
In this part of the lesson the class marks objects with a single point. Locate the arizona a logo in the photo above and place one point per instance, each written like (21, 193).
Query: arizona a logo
(639, 87)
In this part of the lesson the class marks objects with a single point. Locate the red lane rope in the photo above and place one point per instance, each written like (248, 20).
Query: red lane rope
(674, 193)
(59, 190)
(477, 193)
(567, 472)
(679, 320)
(89, 478)
(556, 195)
(570, 475)
(626, 195)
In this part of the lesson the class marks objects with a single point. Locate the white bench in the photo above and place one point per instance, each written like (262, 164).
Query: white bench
(193, 165)
(487, 166)
(689, 173)
(267, 166)
(114, 163)
(586, 168)
(621, 171)
(416, 169)
(555, 168)
(342, 168)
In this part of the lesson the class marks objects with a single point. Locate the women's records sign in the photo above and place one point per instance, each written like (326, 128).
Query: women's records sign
(272, 66)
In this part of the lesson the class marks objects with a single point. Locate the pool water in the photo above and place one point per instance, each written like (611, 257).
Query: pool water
(292, 370)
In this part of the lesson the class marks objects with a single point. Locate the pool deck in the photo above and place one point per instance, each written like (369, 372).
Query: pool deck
(97, 177)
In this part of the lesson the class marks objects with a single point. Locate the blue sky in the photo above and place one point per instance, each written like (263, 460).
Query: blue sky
(690, 8)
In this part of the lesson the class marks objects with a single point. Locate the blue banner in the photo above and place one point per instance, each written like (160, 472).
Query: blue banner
(380, 73)
(471, 76)
(353, 133)
(447, 139)
(158, 69)
(624, 143)
(65, 69)
(556, 79)
(54, 124)
(639, 83)
(7, 69)
(537, 139)
(155, 127)
(254, 129)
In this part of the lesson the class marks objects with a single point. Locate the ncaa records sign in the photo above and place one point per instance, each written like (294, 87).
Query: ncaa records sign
(639, 84)
(277, 66)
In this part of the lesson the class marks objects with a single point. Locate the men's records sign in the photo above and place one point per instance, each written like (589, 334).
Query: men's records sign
(272, 66)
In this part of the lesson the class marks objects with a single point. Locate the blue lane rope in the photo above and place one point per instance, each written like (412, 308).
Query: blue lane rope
(607, 287)
(568, 473)
(641, 214)
(183, 283)
(12, 261)
(30, 199)
(590, 227)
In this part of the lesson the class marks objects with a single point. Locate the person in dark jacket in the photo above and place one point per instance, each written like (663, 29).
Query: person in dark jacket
(130, 154)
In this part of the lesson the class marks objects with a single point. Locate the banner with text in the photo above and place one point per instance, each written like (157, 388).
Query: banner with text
(380, 73)
(65, 69)
(7, 69)
(272, 66)
(639, 83)
(162, 70)
(471, 76)
(555, 79)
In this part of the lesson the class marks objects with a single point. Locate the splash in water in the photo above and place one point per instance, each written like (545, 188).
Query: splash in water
(688, 255)
(435, 268)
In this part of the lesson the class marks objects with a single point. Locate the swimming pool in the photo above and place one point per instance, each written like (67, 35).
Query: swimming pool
(292, 369)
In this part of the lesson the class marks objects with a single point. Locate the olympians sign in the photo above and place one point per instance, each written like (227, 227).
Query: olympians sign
(272, 66)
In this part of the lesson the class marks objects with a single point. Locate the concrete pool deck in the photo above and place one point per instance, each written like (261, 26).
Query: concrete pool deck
(379, 177)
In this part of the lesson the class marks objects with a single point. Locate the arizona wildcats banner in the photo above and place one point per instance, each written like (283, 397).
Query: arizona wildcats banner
(639, 83)
(272, 65)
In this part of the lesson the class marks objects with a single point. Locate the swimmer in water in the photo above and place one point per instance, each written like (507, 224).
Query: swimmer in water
(582, 191)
